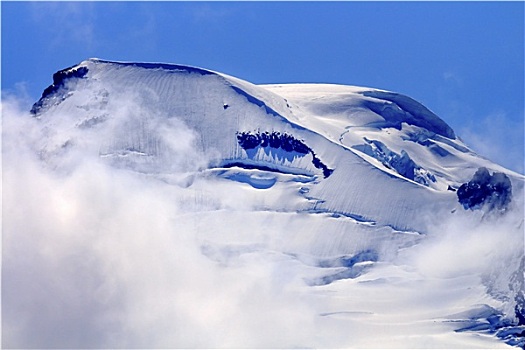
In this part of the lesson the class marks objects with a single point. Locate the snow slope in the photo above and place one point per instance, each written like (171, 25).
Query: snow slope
(346, 189)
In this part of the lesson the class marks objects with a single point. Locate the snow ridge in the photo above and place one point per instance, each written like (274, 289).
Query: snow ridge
(405, 109)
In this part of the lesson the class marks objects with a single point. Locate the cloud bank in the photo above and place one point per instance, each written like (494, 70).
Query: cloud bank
(100, 256)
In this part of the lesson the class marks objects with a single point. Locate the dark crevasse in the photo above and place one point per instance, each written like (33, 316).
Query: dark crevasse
(353, 266)
(276, 140)
(349, 261)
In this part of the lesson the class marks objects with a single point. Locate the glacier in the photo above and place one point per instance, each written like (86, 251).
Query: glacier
(175, 206)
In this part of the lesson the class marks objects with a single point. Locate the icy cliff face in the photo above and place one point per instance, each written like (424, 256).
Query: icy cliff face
(343, 181)
(276, 143)
(492, 191)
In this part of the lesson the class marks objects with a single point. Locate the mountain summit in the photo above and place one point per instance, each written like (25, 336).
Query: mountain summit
(354, 151)
(346, 188)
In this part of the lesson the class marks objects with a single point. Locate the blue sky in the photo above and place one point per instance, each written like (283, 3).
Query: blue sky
(463, 60)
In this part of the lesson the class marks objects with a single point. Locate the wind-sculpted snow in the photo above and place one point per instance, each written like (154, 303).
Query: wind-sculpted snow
(486, 190)
(403, 109)
(150, 205)
(347, 115)
(163, 66)
(426, 138)
(255, 101)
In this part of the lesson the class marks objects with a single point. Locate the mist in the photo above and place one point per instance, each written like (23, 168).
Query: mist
(98, 255)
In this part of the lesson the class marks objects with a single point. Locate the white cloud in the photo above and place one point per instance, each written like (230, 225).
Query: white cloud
(66, 22)
(103, 257)
(500, 138)
(205, 13)
(453, 77)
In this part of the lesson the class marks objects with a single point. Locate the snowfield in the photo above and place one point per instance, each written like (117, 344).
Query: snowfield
(150, 205)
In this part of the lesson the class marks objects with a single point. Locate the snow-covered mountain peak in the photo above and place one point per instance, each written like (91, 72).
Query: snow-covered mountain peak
(350, 143)
(360, 206)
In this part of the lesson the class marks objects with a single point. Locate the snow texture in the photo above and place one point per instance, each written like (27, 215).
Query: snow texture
(403, 109)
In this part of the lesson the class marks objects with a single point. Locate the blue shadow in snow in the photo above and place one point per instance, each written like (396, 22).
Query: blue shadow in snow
(350, 263)
(284, 146)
